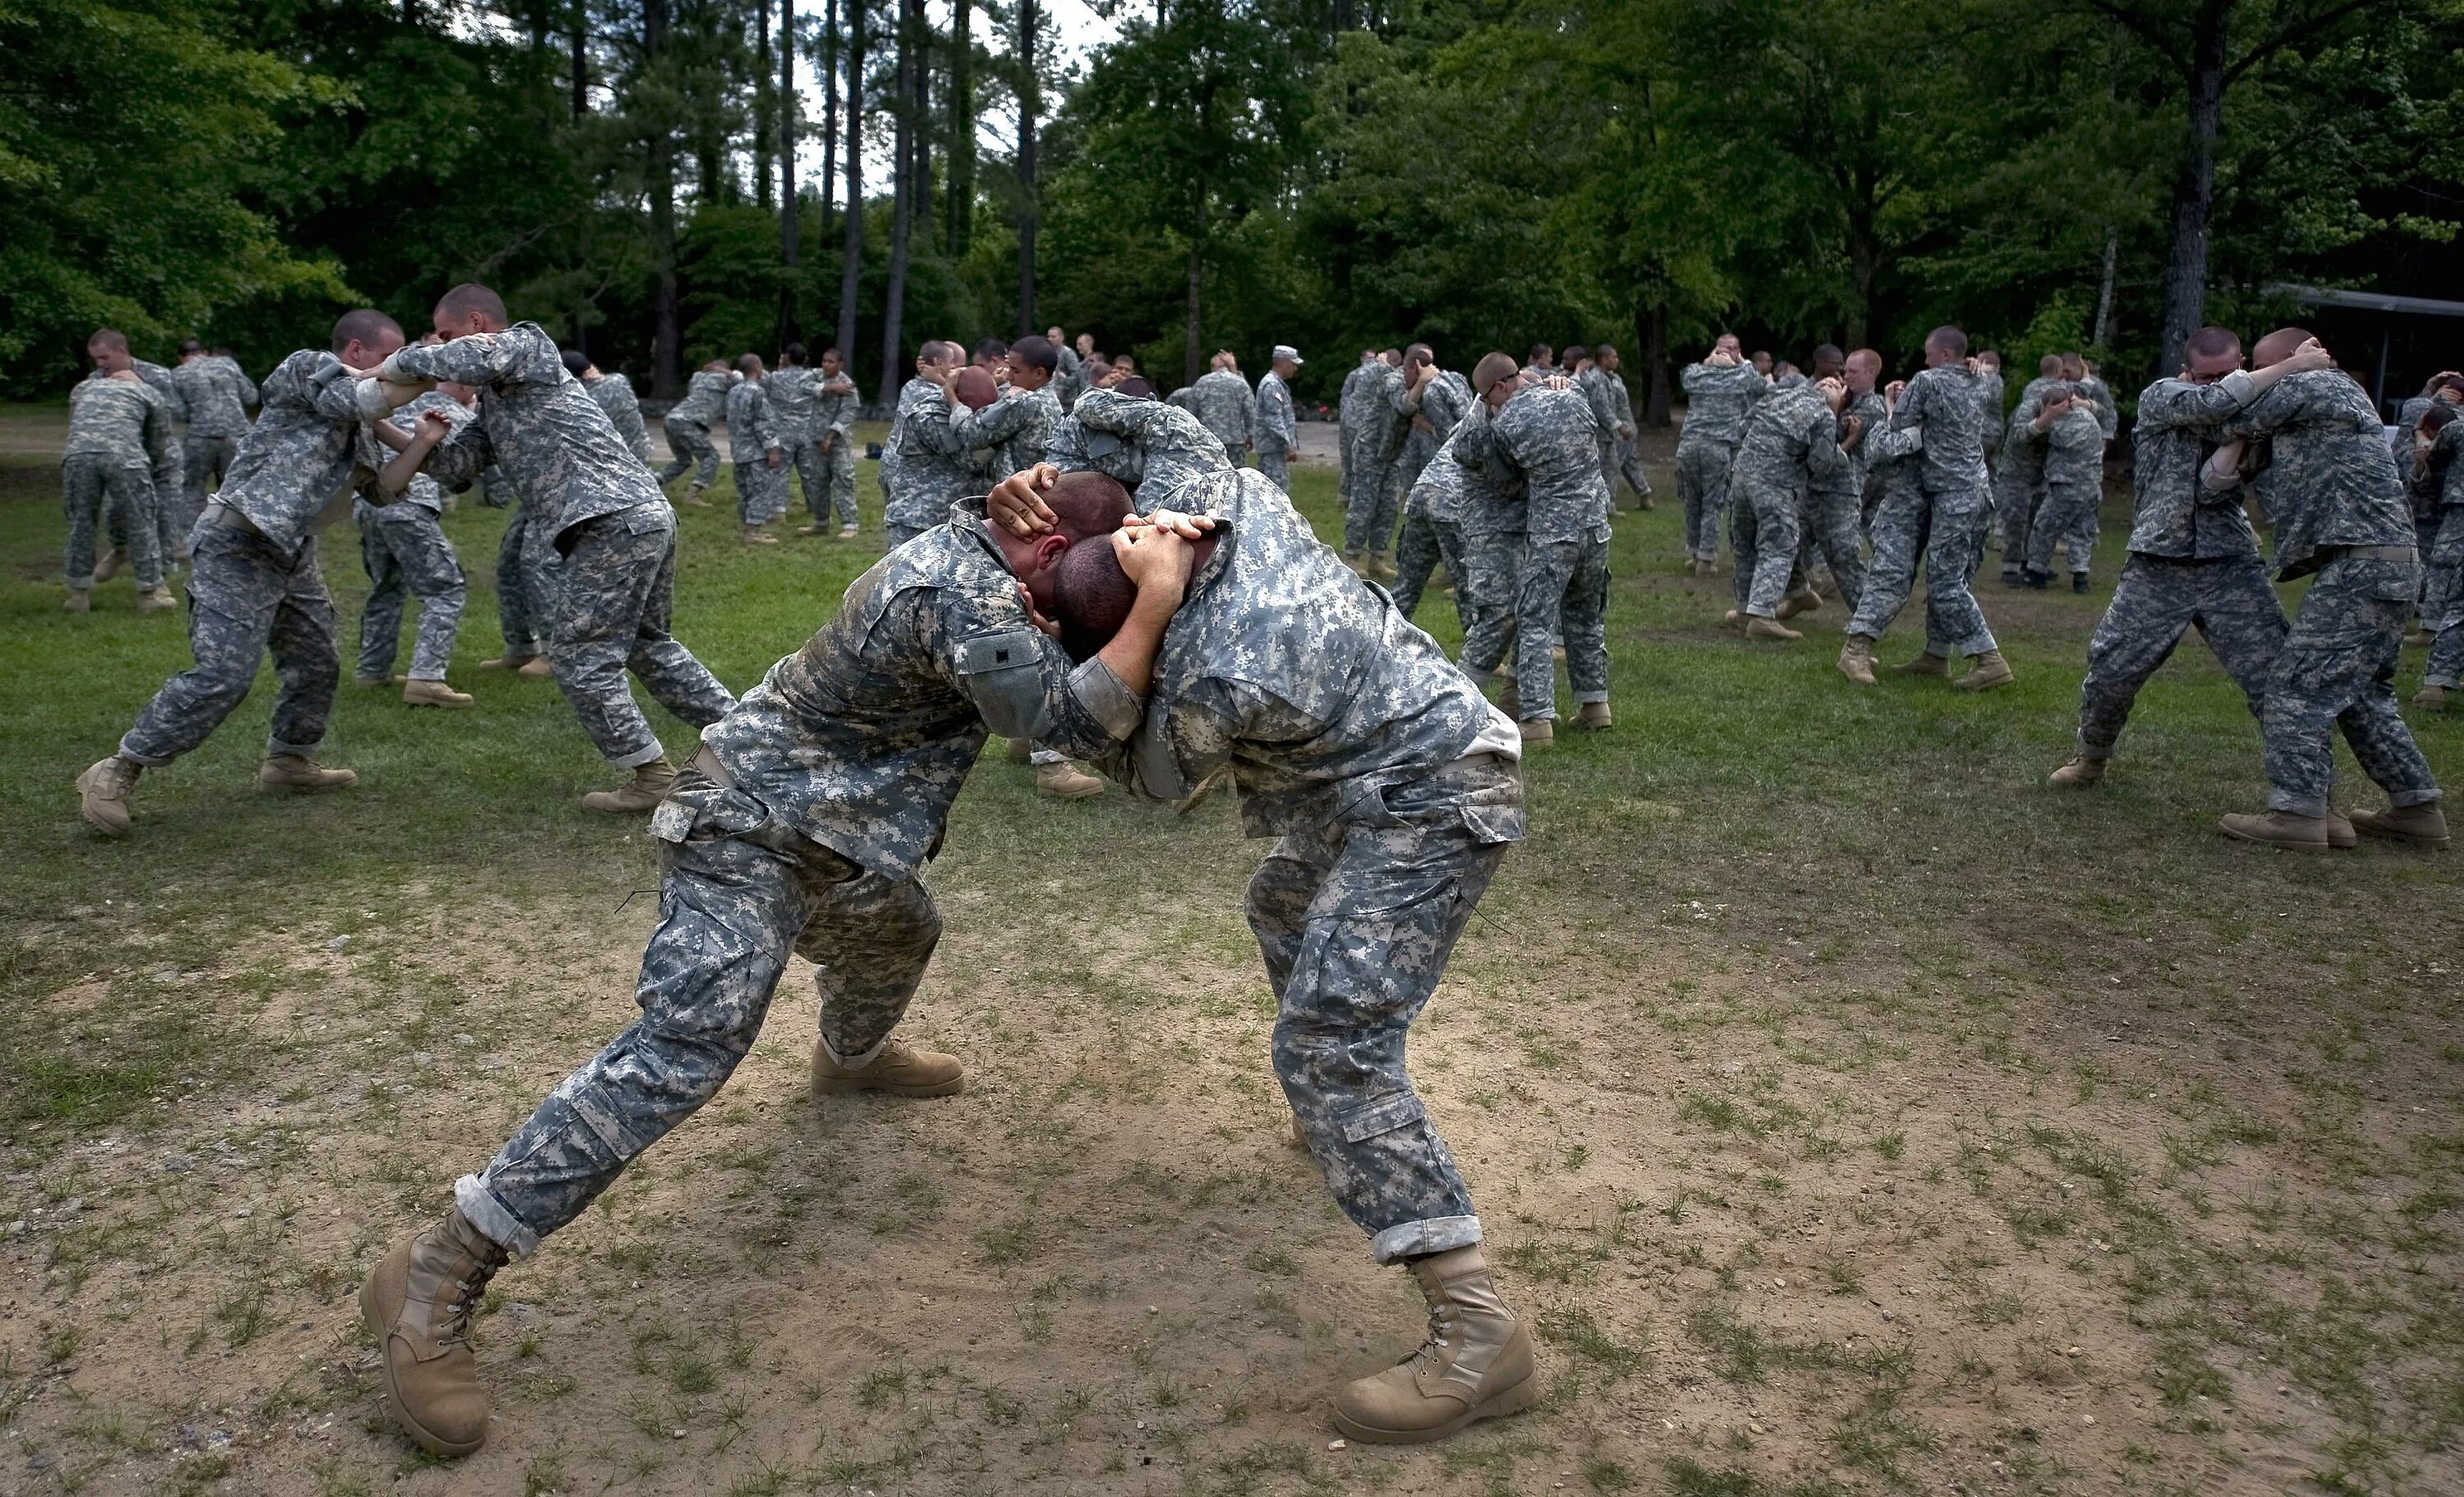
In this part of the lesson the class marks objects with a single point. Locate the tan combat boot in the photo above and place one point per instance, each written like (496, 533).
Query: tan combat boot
(300, 772)
(156, 598)
(1066, 782)
(692, 497)
(417, 1303)
(507, 662)
(647, 787)
(1734, 618)
(1510, 698)
(2081, 773)
(1380, 566)
(2432, 699)
(1704, 567)
(1538, 732)
(78, 601)
(1475, 1364)
(2281, 829)
(1927, 663)
(811, 530)
(107, 566)
(2423, 826)
(1805, 600)
(899, 1070)
(1352, 559)
(847, 532)
(102, 793)
(535, 669)
(433, 693)
(1857, 659)
(2340, 830)
(1595, 716)
(1986, 672)
(1759, 628)
(369, 683)
(756, 535)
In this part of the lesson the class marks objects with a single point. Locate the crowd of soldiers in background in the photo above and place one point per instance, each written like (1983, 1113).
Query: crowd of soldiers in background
(1826, 482)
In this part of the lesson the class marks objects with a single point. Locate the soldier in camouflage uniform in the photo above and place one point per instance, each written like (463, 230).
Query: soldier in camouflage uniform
(118, 459)
(756, 443)
(600, 524)
(1375, 423)
(802, 825)
(2019, 473)
(1835, 502)
(2074, 470)
(1140, 443)
(1626, 451)
(1393, 791)
(1068, 366)
(253, 583)
(1720, 393)
(1790, 440)
(1279, 438)
(2095, 391)
(1547, 438)
(1438, 400)
(615, 396)
(404, 547)
(1495, 524)
(923, 465)
(216, 396)
(2437, 482)
(793, 392)
(1433, 533)
(2329, 489)
(1227, 406)
(834, 444)
(1017, 426)
(170, 542)
(1943, 402)
(688, 423)
(2193, 561)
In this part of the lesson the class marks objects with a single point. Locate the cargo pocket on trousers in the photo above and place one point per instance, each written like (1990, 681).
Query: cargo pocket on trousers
(1382, 1116)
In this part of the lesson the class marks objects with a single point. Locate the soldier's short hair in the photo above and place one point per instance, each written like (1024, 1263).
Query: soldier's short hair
(1492, 369)
(1599, 349)
(1086, 503)
(2277, 346)
(1574, 354)
(793, 353)
(107, 337)
(468, 298)
(1092, 596)
(1539, 354)
(1036, 353)
(1949, 340)
(1828, 353)
(975, 388)
(366, 325)
(1135, 387)
(748, 363)
(575, 362)
(2448, 382)
(992, 348)
(190, 345)
(832, 352)
(1994, 354)
(2212, 343)
(2437, 417)
(2050, 368)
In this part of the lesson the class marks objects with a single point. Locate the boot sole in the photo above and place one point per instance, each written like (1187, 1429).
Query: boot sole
(1513, 1400)
(2270, 841)
(837, 1087)
(379, 1326)
(291, 788)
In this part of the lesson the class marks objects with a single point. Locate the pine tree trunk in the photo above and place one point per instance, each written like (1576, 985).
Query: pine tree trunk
(851, 247)
(790, 231)
(763, 104)
(2103, 329)
(902, 196)
(920, 105)
(830, 53)
(1194, 329)
(1651, 330)
(581, 62)
(2194, 187)
(667, 338)
(960, 214)
(1028, 218)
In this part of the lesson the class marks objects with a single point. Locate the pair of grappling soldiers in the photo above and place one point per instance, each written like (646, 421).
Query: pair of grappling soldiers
(1223, 639)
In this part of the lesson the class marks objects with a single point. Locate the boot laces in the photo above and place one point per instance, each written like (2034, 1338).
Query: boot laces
(1432, 1348)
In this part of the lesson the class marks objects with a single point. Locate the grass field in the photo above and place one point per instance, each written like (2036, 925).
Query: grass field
(1851, 1113)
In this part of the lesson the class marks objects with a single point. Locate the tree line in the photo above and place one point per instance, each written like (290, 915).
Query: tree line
(1339, 174)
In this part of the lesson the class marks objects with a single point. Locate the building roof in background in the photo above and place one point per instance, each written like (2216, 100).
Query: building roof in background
(2367, 301)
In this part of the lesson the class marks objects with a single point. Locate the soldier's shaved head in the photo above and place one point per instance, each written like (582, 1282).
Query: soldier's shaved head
(1492, 369)
(749, 366)
(1033, 353)
(190, 347)
(794, 354)
(2074, 367)
(974, 387)
(107, 337)
(367, 327)
(1946, 340)
(1091, 595)
(576, 363)
(1828, 360)
(468, 300)
(1864, 371)
(1086, 503)
(1540, 353)
(1575, 354)
(2212, 343)
(2277, 346)
(2050, 368)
